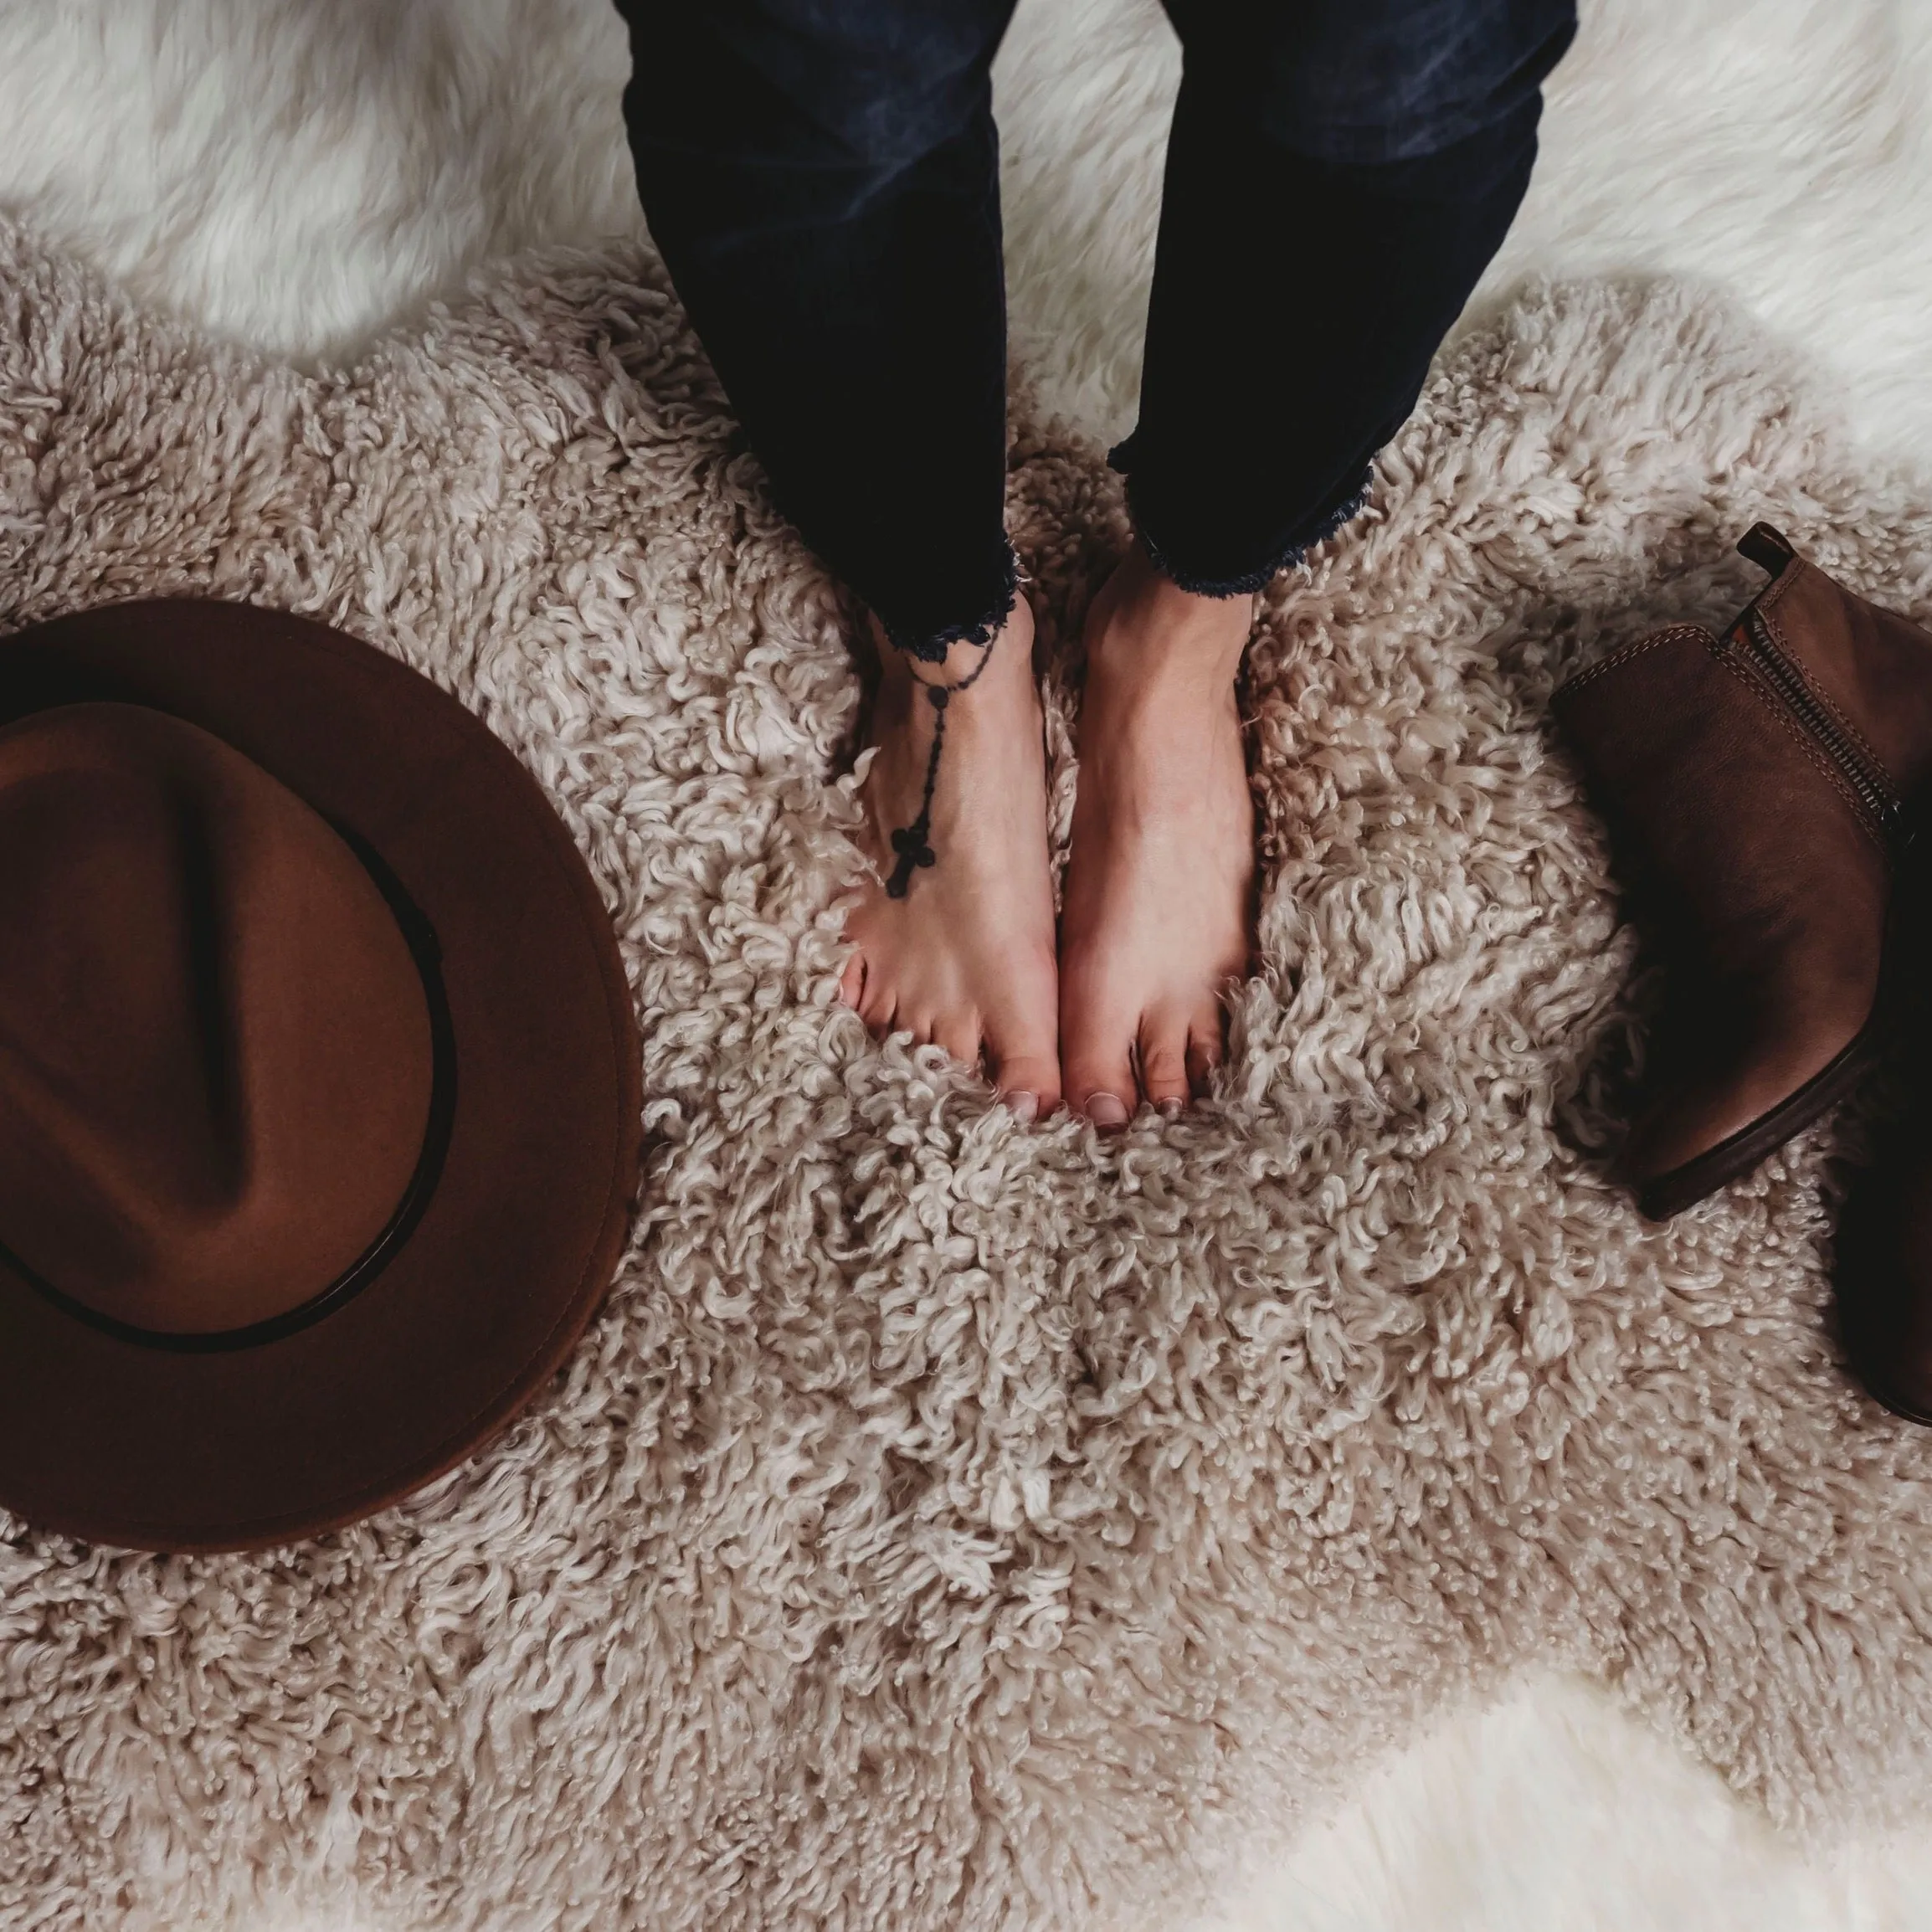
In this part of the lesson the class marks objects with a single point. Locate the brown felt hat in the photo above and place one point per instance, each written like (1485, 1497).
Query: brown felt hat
(319, 1094)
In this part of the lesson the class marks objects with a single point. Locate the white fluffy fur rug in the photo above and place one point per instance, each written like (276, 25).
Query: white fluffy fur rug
(948, 1525)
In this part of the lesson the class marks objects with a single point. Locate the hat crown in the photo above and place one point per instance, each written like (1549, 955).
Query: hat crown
(216, 1055)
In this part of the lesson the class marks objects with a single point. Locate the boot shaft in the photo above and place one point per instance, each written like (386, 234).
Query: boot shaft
(1869, 670)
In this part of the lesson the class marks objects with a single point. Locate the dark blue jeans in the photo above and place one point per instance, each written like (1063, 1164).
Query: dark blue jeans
(822, 178)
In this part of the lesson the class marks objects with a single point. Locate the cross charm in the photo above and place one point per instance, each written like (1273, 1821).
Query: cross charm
(909, 842)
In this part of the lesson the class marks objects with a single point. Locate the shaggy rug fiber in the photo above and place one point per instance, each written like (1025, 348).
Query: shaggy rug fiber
(950, 1524)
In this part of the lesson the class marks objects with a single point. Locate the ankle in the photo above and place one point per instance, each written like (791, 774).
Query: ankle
(962, 655)
(1147, 628)
(983, 669)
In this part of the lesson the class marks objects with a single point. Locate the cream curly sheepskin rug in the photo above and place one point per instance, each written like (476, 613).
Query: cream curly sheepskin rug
(950, 1524)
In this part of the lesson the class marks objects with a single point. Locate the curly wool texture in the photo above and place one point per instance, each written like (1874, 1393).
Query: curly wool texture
(950, 1524)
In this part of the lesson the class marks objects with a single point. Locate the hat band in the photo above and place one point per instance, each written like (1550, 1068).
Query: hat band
(420, 937)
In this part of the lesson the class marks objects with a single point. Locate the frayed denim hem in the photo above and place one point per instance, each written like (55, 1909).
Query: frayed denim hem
(931, 647)
(1249, 581)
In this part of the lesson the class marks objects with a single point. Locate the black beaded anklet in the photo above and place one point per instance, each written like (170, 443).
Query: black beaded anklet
(910, 841)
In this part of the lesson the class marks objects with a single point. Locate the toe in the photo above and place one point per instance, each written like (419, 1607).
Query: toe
(852, 983)
(1163, 1061)
(958, 1033)
(1023, 1039)
(1098, 1073)
(1206, 1044)
(878, 1007)
(1021, 1067)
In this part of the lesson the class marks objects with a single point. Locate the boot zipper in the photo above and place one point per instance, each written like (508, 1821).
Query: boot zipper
(1869, 781)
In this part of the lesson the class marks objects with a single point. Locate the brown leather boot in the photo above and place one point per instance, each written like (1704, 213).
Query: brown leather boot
(1756, 784)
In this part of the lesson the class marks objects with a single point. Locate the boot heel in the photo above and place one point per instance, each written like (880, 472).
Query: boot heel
(1882, 1263)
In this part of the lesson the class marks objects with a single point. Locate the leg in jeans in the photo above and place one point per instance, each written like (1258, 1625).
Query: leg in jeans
(1339, 173)
(822, 178)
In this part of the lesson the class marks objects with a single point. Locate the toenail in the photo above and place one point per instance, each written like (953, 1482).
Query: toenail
(1107, 1110)
(1172, 1109)
(1024, 1107)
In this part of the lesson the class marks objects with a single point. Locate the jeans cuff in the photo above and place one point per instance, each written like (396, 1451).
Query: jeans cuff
(1241, 582)
(930, 647)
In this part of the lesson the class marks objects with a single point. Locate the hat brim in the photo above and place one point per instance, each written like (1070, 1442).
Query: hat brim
(125, 1443)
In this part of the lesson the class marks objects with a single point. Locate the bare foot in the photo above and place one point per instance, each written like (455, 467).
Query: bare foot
(966, 959)
(1157, 907)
